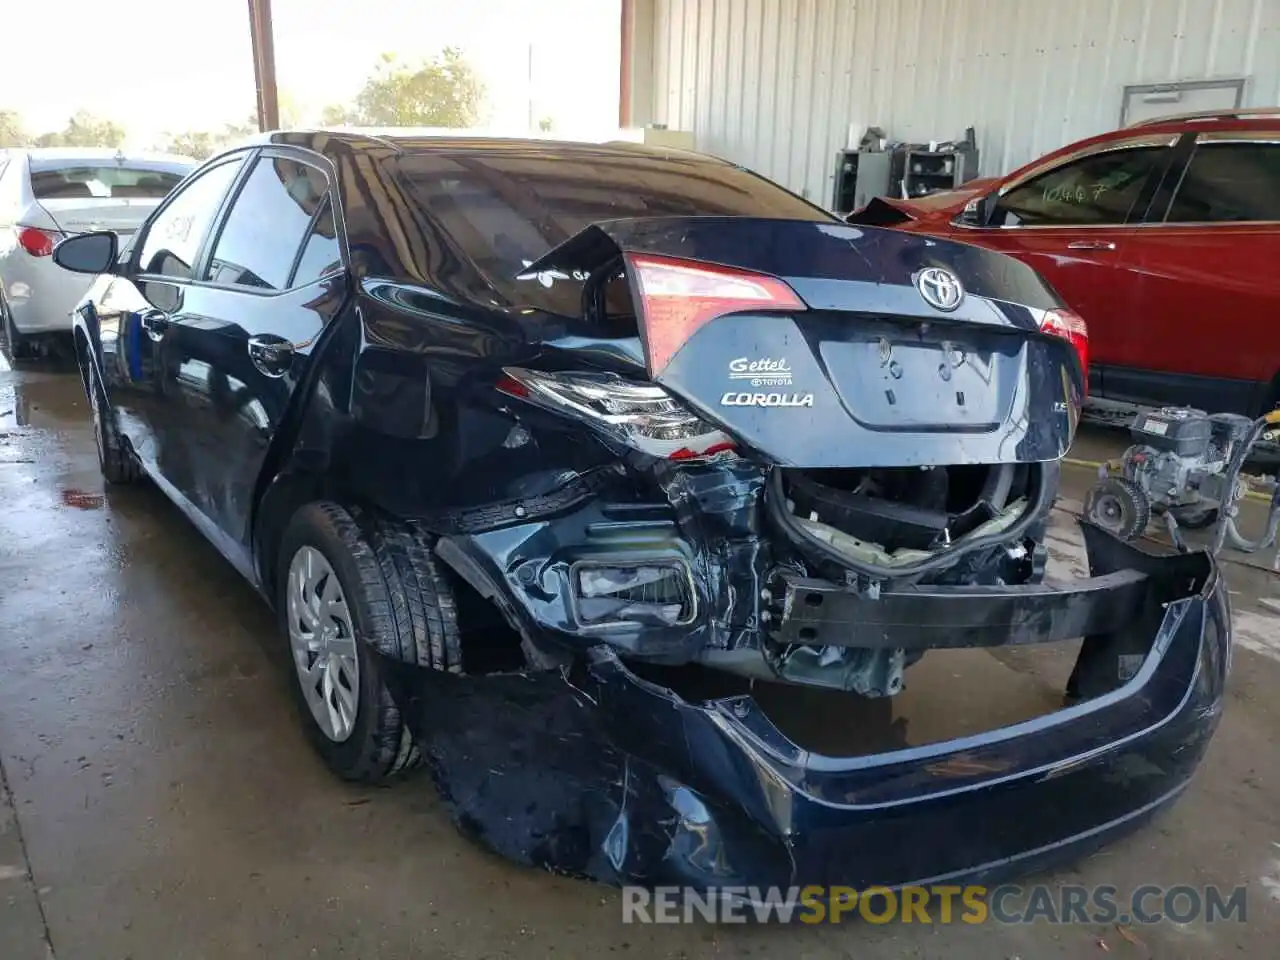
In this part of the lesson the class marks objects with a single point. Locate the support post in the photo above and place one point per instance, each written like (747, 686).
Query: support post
(264, 64)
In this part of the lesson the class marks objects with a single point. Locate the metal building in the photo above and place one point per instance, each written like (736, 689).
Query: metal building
(777, 84)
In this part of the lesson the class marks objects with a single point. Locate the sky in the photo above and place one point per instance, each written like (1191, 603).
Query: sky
(160, 66)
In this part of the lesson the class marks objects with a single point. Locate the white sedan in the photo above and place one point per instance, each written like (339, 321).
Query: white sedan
(49, 194)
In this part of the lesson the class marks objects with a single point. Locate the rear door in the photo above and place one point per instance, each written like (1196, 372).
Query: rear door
(1208, 332)
(1074, 221)
(269, 282)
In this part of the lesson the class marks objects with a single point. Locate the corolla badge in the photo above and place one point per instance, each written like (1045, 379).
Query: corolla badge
(940, 288)
(735, 399)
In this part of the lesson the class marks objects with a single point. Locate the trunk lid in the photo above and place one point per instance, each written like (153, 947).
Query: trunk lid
(91, 214)
(870, 372)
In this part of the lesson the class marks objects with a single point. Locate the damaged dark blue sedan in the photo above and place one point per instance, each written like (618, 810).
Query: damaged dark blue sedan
(503, 429)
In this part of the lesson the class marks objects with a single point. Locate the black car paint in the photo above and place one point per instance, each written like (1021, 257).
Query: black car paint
(606, 775)
(387, 400)
(401, 385)
(880, 395)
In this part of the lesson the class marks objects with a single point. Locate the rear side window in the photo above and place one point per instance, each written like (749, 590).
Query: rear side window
(173, 239)
(507, 210)
(1229, 182)
(1096, 190)
(103, 181)
(267, 224)
(320, 255)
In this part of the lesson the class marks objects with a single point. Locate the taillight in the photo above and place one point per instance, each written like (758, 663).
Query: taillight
(37, 242)
(677, 297)
(1072, 328)
(642, 416)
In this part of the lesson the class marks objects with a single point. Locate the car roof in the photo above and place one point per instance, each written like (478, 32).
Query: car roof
(98, 153)
(428, 140)
(1258, 116)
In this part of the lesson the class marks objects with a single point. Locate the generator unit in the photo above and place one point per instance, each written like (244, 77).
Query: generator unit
(1177, 466)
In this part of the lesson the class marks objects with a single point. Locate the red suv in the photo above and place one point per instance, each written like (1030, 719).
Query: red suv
(1164, 236)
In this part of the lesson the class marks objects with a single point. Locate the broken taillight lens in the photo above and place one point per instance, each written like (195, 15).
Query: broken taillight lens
(677, 297)
(640, 415)
(1072, 328)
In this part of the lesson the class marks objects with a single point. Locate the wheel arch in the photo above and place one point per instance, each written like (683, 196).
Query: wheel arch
(85, 353)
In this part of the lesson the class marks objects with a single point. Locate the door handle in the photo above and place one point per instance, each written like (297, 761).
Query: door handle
(272, 355)
(155, 323)
(1091, 245)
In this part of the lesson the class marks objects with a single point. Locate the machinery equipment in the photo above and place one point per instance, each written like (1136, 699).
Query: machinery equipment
(1184, 465)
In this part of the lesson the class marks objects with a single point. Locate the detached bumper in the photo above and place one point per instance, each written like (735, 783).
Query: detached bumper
(617, 779)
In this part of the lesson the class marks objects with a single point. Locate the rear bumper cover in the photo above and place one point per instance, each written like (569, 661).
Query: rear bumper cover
(41, 295)
(608, 776)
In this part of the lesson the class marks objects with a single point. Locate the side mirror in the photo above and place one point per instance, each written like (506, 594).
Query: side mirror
(87, 253)
(979, 212)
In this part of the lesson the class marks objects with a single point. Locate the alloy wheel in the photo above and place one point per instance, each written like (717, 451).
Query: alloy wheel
(323, 643)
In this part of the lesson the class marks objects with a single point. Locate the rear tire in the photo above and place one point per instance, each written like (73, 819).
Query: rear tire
(1194, 518)
(20, 347)
(115, 459)
(393, 599)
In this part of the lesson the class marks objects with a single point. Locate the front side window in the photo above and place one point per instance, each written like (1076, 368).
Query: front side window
(1229, 182)
(267, 223)
(173, 239)
(1095, 190)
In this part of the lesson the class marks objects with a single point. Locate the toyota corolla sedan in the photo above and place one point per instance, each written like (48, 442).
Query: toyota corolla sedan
(56, 192)
(500, 427)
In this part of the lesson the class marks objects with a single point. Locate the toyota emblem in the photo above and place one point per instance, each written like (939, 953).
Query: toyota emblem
(940, 288)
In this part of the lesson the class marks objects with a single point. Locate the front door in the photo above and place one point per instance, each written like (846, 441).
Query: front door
(133, 308)
(1074, 222)
(270, 281)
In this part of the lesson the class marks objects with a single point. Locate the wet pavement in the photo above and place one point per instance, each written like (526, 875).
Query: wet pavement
(165, 804)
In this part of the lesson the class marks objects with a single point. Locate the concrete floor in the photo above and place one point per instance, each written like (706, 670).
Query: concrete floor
(160, 800)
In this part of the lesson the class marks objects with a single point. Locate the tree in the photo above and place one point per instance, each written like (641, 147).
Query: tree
(442, 92)
(12, 133)
(336, 115)
(546, 124)
(197, 144)
(202, 144)
(84, 130)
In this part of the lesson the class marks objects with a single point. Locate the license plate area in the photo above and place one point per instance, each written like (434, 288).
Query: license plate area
(901, 383)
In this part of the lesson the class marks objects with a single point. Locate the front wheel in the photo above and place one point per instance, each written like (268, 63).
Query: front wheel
(343, 590)
(115, 459)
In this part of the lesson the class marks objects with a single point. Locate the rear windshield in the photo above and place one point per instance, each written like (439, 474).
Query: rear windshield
(105, 180)
(507, 210)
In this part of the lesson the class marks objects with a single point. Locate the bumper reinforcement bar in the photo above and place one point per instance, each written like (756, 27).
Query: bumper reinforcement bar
(826, 614)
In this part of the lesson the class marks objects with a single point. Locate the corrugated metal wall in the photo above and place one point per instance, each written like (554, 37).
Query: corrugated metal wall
(775, 84)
